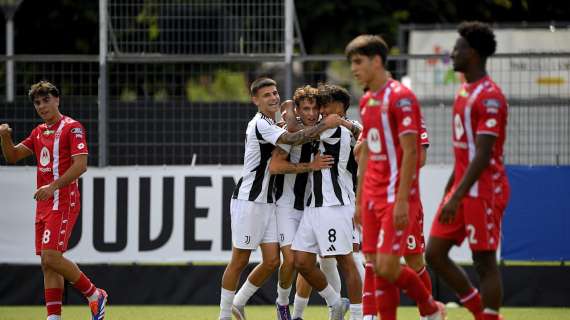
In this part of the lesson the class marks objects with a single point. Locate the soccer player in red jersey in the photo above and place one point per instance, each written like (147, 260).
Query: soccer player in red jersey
(61, 152)
(477, 191)
(388, 201)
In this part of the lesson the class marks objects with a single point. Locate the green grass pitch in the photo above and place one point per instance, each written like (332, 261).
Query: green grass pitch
(252, 312)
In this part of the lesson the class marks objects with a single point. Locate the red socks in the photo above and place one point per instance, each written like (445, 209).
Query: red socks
(84, 286)
(410, 282)
(53, 298)
(424, 276)
(369, 291)
(387, 299)
(472, 301)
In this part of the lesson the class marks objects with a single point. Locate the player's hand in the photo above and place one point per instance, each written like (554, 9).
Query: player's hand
(332, 121)
(401, 209)
(44, 193)
(5, 130)
(449, 210)
(322, 162)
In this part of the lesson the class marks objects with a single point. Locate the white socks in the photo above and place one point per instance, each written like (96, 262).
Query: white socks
(299, 306)
(330, 295)
(54, 317)
(226, 300)
(328, 266)
(356, 311)
(94, 296)
(283, 295)
(244, 293)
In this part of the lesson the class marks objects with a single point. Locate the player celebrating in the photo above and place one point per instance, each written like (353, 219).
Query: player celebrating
(252, 208)
(61, 153)
(477, 191)
(326, 227)
(387, 192)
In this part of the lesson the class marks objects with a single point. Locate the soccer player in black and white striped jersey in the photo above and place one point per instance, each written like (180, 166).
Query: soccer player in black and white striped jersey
(326, 228)
(252, 209)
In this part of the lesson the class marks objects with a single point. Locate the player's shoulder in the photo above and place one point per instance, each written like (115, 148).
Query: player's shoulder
(491, 95)
(401, 91)
(263, 120)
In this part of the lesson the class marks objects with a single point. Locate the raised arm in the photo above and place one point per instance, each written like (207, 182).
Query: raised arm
(310, 134)
(354, 129)
(289, 116)
(279, 164)
(12, 153)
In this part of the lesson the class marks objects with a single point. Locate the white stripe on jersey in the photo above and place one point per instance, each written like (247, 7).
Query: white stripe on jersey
(256, 184)
(474, 191)
(56, 162)
(333, 187)
(390, 147)
(291, 189)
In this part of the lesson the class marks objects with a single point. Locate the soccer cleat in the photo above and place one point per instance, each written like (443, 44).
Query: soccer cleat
(298, 319)
(238, 312)
(345, 305)
(441, 313)
(283, 312)
(98, 307)
(336, 312)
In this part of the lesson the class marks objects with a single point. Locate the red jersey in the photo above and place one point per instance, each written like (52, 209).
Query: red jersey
(480, 108)
(54, 146)
(386, 115)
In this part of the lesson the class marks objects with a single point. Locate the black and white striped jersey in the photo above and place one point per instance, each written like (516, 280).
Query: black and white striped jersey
(352, 165)
(334, 186)
(291, 189)
(256, 184)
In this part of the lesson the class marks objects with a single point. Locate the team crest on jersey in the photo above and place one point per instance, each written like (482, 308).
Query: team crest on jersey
(373, 102)
(407, 121)
(404, 102)
(44, 157)
(491, 103)
(459, 130)
(77, 131)
(491, 123)
(373, 138)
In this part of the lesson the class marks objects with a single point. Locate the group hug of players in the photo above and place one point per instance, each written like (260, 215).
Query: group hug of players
(317, 183)
(319, 186)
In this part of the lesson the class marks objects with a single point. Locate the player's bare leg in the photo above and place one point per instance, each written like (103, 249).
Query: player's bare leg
(417, 262)
(353, 284)
(257, 277)
(305, 263)
(56, 268)
(230, 279)
(485, 263)
(437, 255)
(302, 295)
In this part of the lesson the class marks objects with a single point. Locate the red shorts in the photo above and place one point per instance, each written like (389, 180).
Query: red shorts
(478, 220)
(379, 234)
(53, 229)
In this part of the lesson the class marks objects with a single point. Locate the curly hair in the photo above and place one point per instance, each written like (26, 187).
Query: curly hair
(479, 36)
(305, 93)
(42, 89)
(331, 93)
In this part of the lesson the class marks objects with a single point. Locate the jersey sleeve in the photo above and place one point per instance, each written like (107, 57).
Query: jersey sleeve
(403, 107)
(490, 109)
(424, 136)
(29, 141)
(269, 132)
(328, 133)
(77, 141)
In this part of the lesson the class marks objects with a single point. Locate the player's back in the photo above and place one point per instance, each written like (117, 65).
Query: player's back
(291, 189)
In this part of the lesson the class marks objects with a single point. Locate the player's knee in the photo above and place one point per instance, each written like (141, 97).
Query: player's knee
(432, 257)
(387, 271)
(50, 261)
(484, 263)
(301, 265)
(272, 263)
(289, 260)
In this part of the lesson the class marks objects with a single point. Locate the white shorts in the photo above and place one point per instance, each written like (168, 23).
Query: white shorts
(288, 220)
(355, 234)
(326, 231)
(252, 223)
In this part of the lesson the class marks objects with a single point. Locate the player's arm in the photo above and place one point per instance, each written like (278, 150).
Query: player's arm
(78, 167)
(289, 116)
(12, 153)
(361, 153)
(423, 156)
(279, 164)
(407, 172)
(354, 129)
(310, 134)
(483, 152)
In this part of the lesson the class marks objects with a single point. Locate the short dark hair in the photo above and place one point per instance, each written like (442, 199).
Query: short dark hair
(479, 36)
(42, 89)
(333, 93)
(305, 93)
(260, 83)
(367, 45)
